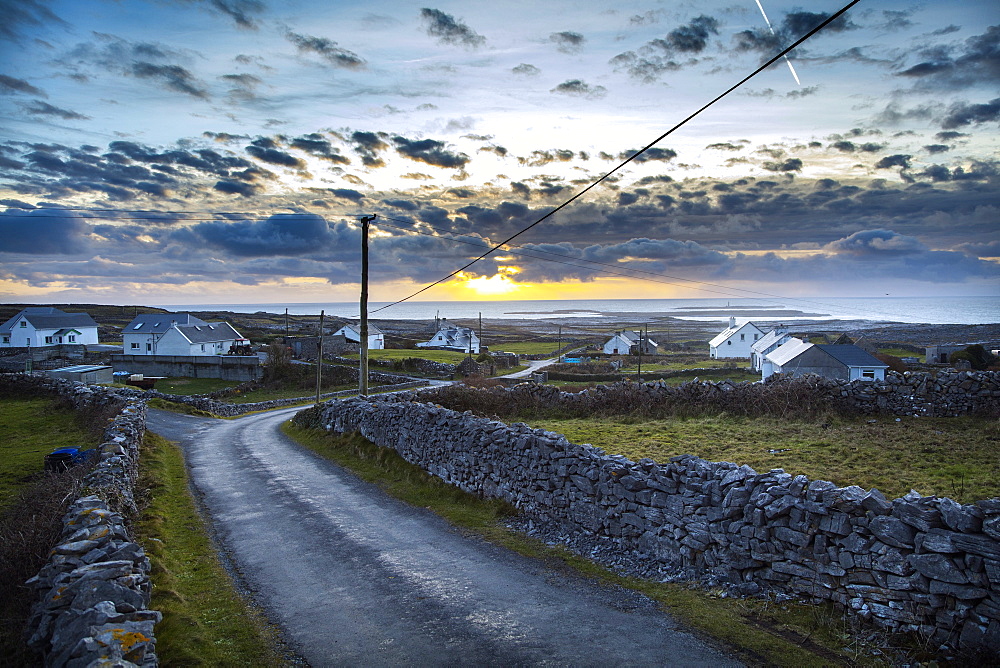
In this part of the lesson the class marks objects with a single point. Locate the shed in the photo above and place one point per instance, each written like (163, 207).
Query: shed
(84, 373)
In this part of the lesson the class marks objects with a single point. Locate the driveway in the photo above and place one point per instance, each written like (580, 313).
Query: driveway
(355, 578)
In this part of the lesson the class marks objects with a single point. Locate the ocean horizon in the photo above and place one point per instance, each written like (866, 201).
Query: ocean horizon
(979, 310)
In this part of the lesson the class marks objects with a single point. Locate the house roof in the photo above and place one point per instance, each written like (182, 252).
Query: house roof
(850, 355)
(158, 323)
(47, 317)
(729, 331)
(372, 329)
(768, 340)
(788, 351)
(208, 333)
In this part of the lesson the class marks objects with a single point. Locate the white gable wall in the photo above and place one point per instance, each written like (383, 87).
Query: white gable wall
(737, 343)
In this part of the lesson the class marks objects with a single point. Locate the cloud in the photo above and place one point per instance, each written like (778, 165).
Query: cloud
(525, 69)
(693, 37)
(977, 61)
(142, 60)
(317, 145)
(298, 234)
(9, 85)
(568, 42)
(240, 11)
(789, 165)
(328, 50)
(650, 155)
(897, 160)
(936, 148)
(960, 115)
(448, 30)
(430, 151)
(39, 108)
(267, 150)
(43, 232)
(580, 88)
(368, 145)
(21, 13)
(877, 242)
(238, 188)
(793, 26)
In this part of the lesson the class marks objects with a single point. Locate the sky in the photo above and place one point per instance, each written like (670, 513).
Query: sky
(223, 151)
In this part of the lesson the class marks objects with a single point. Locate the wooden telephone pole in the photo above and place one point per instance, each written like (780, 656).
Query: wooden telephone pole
(319, 358)
(363, 334)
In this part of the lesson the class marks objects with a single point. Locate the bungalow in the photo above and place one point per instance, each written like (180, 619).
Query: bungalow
(47, 326)
(847, 362)
(453, 337)
(734, 341)
(376, 339)
(179, 334)
(628, 342)
(768, 343)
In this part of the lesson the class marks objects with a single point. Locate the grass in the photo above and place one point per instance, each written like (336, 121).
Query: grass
(205, 621)
(902, 352)
(189, 386)
(954, 457)
(529, 347)
(685, 362)
(764, 633)
(31, 429)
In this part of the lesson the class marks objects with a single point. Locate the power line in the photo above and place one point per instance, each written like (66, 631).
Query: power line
(632, 157)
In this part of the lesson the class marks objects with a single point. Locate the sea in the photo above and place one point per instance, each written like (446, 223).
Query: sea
(979, 310)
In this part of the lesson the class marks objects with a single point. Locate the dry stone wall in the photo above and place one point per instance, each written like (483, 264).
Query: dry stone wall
(94, 591)
(925, 565)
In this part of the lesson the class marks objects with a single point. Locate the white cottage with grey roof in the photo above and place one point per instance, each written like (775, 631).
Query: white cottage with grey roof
(38, 326)
(453, 337)
(178, 334)
(844, 361)
(734, 341)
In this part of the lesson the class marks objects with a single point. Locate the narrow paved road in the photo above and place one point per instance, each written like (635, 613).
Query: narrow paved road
(355, 578)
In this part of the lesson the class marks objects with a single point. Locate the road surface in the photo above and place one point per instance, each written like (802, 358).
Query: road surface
(355, 578)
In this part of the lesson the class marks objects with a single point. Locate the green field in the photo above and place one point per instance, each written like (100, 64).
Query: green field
(447, 356)
(953, 457)
(31, 429)
(191, 386)
(529, 347)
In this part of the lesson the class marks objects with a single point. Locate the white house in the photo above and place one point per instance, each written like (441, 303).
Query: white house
(767, 343)
(376, 339)
(735, 340)
(178, 334)
(626, 341)
(47, 326)
(453, 337)
(845, 361)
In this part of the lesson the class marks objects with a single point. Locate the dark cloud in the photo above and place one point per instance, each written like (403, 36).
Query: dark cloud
(39, 108)
(649, 155)
(12, 85)
(540, 158)
(43, 232)
(691, 38)
(877, 242)
(368, 145)
(431, 152)
(793, 26)
(18, 14)
(244, 86)
(725, 146)
(142, 60)
(401, 204)
(936, 148)
(977, 60)
(328, 50)
(568, 42)
(298, 234)
(448, 30)
(897, 160)
(242, 12)
(526, 69)
(949, 135)
(960, 115)
(317, 145)
(238, 188)
(266, 150)
(789, 165)
(580, 89)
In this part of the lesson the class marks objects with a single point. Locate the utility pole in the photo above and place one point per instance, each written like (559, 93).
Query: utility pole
(286, 325)
(559, 340)
(638, 373)
(363, 335)
(480, 330)
(319, 358)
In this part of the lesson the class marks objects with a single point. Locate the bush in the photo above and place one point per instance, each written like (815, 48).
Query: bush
(977, 356)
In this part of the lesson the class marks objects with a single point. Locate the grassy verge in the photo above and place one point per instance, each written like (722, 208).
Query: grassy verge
(205, 621)
(954, 457)
(764, 633)
(447, 356)
(189, 386)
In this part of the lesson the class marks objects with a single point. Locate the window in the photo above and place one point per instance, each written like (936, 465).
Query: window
(72, 338)
(755, 336)
(868, 374)
(139, 325)
(6, 339)
(48, 339)
(149, 347)
(729, 343)
(24, 323)
(135, 346)
(743, 337)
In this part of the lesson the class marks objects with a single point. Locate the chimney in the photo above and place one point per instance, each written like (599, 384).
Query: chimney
(732, 321)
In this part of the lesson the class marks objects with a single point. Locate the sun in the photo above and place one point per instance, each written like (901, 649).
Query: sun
(499, 284)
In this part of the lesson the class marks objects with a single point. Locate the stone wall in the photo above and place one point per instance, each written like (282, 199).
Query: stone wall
(226, 367)
(93, 594)
(924, 565)
(946, 394)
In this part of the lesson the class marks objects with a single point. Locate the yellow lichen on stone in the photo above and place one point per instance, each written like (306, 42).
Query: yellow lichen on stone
(128, 639)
